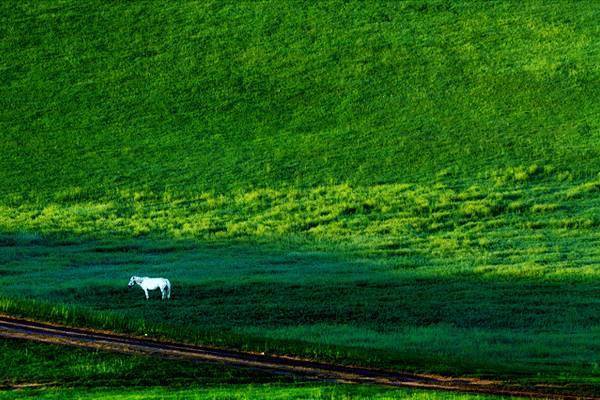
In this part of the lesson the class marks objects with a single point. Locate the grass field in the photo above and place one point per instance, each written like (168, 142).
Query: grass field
(403, 184)
(69, 373)
(219, 95)
(496, 278)
(242, 392)
(49, 365)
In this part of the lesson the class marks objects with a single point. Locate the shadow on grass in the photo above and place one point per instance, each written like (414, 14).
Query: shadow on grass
(316, 304)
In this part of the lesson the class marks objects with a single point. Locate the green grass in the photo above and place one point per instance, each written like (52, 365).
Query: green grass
(487, 279)
(59, 366)
(402, 184)
(242, 392)
(69, 373)
(219, 95)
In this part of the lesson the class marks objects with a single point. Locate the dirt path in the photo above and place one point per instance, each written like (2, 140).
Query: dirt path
(18, 328)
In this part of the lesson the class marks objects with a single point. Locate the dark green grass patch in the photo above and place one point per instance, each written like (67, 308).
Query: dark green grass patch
(67, 372)
(26, 362)
(367, 311)
(243, 392)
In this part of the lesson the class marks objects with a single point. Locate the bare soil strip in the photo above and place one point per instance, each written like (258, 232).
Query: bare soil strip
(19, 328)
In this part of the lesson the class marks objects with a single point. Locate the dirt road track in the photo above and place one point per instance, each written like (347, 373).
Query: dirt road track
(18, 328)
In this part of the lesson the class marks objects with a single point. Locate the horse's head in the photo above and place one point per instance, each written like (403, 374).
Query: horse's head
(131, 281)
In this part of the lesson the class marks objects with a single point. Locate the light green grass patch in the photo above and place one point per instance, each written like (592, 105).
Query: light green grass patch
(245, 392)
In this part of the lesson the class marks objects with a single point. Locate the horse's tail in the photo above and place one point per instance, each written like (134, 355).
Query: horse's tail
(168, 289)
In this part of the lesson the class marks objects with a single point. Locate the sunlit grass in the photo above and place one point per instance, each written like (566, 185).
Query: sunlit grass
(496, 276)
(532, 225)
(205, 96)
(245, 392)
(406, 184)
(397, 275)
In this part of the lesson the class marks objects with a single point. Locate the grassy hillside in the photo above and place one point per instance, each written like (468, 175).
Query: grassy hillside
(403, 184)
(214, 95)
(496, 278)
(69, 373)
(49, 365)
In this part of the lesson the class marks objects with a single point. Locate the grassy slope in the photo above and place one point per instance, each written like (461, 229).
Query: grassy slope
(126, 119)
(73, 373)
(44, 364)
(494, 279)
(212, 95)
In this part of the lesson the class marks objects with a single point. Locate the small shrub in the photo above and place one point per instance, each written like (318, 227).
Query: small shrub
(444, 245)
(422, 205)
(564, 176)
(517, 206)
(475, 209)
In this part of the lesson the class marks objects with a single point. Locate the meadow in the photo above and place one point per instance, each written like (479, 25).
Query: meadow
(498, 278)
(410, 185)
(217, 95)
(71, 373)
(241, 392)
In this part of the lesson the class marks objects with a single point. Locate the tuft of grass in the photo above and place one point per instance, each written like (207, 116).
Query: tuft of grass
(544, 208)
(583, 189)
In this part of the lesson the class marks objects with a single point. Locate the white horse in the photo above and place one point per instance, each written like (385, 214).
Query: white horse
(151, 284)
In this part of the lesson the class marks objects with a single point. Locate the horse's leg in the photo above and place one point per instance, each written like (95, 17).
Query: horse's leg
(162, 292)
(146, 291)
